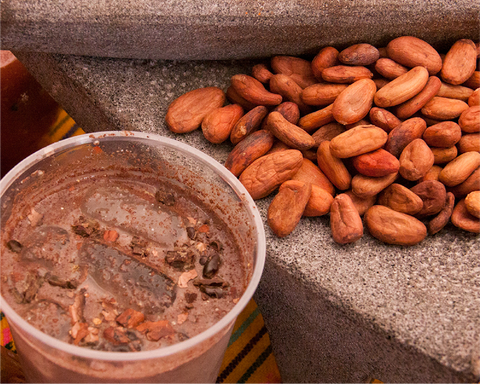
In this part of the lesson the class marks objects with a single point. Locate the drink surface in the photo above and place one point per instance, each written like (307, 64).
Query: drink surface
(120, 265)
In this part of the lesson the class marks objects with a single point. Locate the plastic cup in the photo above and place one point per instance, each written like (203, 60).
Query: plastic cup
(198, 359)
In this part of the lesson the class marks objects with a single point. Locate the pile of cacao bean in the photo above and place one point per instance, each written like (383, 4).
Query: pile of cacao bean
(390, 134)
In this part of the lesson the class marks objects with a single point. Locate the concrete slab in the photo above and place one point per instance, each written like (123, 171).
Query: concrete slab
(334, 313)
(205, 29)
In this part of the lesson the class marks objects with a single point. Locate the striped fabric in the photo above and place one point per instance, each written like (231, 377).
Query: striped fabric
(248, 358)
(6, 339)
(62, 128)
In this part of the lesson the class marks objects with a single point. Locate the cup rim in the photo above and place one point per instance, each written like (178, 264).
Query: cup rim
(224, 173)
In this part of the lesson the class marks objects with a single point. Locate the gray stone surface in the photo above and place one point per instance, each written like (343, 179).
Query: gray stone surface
(226, 29)
(334, 313)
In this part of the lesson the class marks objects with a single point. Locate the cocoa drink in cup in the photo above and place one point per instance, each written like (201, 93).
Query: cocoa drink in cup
(126, 257)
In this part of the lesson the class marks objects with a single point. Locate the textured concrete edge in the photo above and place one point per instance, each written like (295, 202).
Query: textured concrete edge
(186, 35)
(173, 42)
(339, 346)
(61, 87)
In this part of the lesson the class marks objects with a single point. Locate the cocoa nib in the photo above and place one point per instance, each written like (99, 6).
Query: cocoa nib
(215, 287)
(216, 245)
(182, 259)
(190, 297)
(139, 246)
(80, 230)
(34, 217)
(164, 197)
(116, 335)
(130, 318)
(79, 331)
(14, 246)
(33, 285)
(76, 310)
(215, 292)
(57, 282)
(191, 233)
(120, 340)
(26, 284)
(211, 266)
(110, 235)
(84, 227)
(155, 330)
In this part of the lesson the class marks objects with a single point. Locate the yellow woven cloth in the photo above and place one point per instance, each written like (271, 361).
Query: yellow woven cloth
(248, 358)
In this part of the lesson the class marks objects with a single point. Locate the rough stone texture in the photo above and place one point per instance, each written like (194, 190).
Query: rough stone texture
(334, 313)
(205, 29)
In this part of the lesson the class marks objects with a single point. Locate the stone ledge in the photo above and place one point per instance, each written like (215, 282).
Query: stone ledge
(401, 314)
(223, 30)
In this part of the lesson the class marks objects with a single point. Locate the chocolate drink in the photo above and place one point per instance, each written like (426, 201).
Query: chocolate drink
(116, 264)
(126, 257)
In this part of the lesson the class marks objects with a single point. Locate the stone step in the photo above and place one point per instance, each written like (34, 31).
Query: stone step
(226, 29)
(334, 313)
